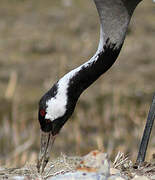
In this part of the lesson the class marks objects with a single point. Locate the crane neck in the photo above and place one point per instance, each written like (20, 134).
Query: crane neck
(114, 17)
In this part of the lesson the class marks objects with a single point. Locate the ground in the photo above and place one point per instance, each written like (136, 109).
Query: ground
(93, 166)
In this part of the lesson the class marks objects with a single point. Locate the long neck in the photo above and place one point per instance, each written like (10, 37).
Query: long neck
(114, 19)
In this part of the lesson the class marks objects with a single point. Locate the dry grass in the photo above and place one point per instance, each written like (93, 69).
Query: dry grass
(41, 41)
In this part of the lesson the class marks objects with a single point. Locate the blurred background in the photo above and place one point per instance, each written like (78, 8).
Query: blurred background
(40, 41)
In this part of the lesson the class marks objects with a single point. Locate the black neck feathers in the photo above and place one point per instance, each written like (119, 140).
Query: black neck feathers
(93, 70)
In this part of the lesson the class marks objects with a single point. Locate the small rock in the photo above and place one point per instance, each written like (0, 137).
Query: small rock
(140, 178)
(79, 176)
(18, 178)
(104, 165)
(2, 169)
(152, 177)
(114, 171)
(116, 178)
(96, 160)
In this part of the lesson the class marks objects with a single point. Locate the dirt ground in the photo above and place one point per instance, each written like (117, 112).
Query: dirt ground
(40, 42)
(95, 165)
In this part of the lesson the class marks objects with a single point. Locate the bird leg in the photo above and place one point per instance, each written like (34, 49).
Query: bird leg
(47, 141)
(146, 133)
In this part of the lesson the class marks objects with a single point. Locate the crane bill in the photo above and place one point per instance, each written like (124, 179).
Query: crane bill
(47, 141)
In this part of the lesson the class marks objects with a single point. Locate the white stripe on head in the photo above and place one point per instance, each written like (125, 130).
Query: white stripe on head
(56, 106)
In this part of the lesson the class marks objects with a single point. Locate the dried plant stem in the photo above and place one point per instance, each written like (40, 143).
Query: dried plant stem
(11, 85)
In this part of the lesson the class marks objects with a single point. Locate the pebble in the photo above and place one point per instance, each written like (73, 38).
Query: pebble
(79, 176)
(140, 178)
(152, 177)
(114, 171)
(18, 178)
(116, 178)
(96, 161)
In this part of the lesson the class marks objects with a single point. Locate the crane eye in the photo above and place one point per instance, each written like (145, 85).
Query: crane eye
(42, 112)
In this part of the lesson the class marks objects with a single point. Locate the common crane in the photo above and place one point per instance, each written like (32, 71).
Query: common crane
(58, 104)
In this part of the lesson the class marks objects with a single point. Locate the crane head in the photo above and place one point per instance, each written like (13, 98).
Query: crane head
(55, 108)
